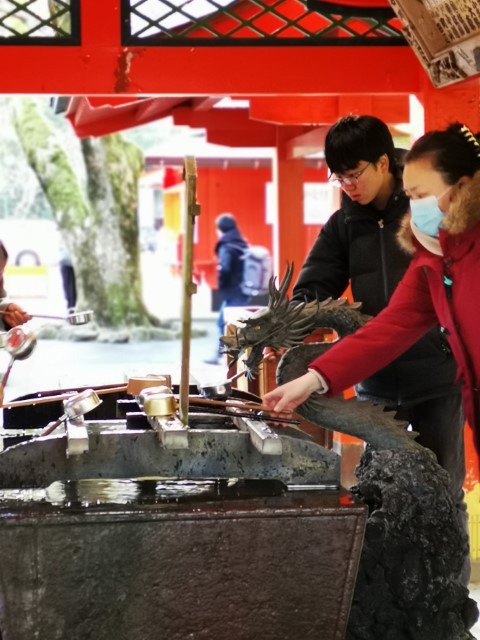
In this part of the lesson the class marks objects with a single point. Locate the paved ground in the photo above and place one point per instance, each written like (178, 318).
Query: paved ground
(56, 364)
(61, 364)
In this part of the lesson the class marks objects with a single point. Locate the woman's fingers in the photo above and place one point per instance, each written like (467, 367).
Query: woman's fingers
(288, 396)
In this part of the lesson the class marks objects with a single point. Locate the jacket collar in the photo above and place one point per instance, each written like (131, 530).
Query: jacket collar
(464, 212)
(396, 205)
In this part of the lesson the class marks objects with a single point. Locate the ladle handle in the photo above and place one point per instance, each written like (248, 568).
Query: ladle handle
(40, 315)
(36, 315)
(57, 398)
(6, 375)
(235, 405)
(243, 372)
(239, 374)
(53, 425)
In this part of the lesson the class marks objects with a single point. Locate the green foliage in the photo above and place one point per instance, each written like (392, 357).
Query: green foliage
(97, 216)
(20, 193)
(60, 16)
(124, 164)
(51, 164)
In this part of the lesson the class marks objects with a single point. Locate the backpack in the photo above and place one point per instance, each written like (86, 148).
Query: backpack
(257, 270)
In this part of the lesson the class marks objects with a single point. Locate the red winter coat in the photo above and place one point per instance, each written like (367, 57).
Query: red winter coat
(421, 300)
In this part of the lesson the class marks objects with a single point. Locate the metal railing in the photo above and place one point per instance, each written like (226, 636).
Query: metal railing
(204, 22)
(29, 22)
(251, 22)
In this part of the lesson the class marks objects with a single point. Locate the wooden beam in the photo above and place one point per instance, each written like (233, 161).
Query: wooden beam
(302, 145)
(205, 104)
(101, 65)
(231, 127)
(325, 109)
(106, 118)
(234, 71)
(295, 110)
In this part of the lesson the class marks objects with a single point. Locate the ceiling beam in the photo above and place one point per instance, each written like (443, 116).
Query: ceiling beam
(89, 120)
(205, 103)
(232, 127)
(232, 71)
(306, 143)
(325, 109)
(102, 65)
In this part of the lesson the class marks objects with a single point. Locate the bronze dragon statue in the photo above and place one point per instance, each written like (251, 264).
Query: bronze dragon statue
(415, 549)
(285, 325)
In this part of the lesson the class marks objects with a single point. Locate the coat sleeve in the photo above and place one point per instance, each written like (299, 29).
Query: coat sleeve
(225, 266)
(325, 273)
(408, 316)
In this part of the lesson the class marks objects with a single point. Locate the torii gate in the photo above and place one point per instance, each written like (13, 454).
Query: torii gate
(300, 65)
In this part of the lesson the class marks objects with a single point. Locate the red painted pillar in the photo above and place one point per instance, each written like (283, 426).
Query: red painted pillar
(455, 103)
(288, 229)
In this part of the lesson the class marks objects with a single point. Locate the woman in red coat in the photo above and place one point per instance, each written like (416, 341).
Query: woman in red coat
(441, 285)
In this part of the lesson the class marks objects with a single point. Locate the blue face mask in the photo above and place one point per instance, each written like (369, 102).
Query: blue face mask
(427, 215)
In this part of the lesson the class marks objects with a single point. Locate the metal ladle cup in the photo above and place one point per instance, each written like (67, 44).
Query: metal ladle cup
(19, 344)
(223, 390)
(220, 391)
(77, 405)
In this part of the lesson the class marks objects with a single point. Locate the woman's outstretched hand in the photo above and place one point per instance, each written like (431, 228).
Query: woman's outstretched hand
(288, 396)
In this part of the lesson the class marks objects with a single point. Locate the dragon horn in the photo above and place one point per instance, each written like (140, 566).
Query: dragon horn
(272, 292)
(284, 284)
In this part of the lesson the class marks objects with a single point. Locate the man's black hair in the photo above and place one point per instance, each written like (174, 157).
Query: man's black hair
(355, 138)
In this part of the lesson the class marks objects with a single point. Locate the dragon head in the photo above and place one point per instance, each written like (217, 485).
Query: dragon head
(279, 325)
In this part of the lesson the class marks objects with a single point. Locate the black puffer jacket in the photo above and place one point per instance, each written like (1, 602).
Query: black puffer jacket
(359, 243)
(230, 249)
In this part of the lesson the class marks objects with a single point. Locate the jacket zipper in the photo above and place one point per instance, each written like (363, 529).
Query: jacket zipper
(447, 277)
(383, 260)
(448, 284)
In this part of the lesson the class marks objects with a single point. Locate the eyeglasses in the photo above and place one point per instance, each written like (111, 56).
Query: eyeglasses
(351, 180)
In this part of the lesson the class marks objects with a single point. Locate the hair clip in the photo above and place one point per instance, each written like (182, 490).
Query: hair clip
(470, 138)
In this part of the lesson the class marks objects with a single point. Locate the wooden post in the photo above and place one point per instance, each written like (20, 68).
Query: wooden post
(288, 228)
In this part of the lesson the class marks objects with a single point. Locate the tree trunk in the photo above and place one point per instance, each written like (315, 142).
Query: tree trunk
(99, 226)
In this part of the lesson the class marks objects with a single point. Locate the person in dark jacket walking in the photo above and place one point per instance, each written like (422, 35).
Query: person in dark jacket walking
(229, 250)
(358, 244)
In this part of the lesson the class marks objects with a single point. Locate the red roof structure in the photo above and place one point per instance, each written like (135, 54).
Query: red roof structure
(300, 64)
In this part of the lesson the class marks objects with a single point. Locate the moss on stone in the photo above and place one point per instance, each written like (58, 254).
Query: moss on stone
(108, 206)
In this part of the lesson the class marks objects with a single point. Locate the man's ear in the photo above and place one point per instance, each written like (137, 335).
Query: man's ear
(384, 163)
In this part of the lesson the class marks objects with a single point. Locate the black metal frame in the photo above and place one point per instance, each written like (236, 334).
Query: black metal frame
(321, 6)
(74, 39)
(178, 36)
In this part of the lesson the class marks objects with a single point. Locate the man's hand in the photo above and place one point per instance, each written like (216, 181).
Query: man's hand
(288, 396)
(15, 315)
(1, 393)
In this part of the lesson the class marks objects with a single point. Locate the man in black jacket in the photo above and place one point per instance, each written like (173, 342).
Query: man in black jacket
(358, 245)
(229, 250)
